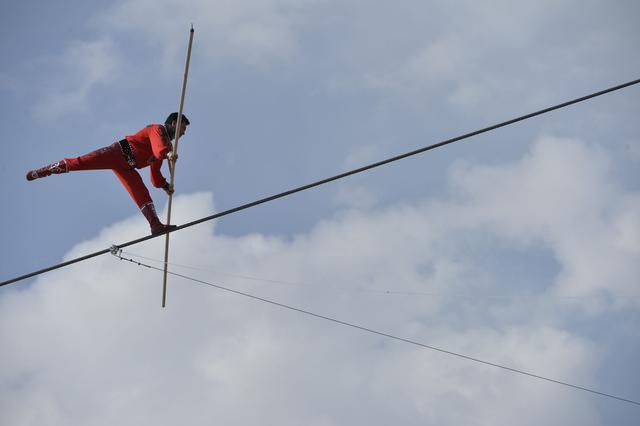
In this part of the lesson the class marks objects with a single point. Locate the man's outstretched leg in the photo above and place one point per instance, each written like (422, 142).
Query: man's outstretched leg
(109, 157)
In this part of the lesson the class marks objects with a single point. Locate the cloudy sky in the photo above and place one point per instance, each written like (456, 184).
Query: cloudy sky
(520, 247)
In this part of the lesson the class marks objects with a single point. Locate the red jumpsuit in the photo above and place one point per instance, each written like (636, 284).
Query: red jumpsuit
(149, 148)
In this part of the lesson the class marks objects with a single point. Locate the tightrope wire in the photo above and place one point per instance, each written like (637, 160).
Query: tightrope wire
(116, 252)
(333, 178)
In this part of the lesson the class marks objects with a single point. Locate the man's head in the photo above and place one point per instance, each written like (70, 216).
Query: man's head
(172, 121)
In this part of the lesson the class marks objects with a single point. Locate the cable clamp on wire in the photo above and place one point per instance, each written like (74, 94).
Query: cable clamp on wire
(116, 251)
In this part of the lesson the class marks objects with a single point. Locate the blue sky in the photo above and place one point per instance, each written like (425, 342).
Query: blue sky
(520, 247)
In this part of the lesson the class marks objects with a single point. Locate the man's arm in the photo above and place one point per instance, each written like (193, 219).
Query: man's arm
(157, 179)
(160, 143)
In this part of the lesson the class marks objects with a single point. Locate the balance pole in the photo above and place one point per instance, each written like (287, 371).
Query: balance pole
(172, 167)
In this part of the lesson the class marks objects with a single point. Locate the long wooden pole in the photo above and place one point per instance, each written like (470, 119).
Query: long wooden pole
(172, 168)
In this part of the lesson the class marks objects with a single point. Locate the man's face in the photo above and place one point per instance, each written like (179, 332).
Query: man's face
(183, 127)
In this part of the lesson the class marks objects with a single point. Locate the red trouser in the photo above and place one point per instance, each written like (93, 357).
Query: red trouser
(111, 157)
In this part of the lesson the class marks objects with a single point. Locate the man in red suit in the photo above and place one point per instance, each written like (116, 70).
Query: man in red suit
(149, 147)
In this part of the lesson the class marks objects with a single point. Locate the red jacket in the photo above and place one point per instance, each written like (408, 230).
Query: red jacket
(150, 147)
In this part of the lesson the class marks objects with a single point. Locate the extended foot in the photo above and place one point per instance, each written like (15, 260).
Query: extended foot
(53, 168)
(33, 174)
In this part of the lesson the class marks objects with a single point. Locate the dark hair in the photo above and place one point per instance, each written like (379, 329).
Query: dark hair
(174, 117)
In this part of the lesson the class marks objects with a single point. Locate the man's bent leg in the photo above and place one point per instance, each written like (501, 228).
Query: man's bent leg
(134, 185)
(132, 181)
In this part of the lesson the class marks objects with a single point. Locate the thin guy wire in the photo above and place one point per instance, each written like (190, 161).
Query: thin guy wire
(330, 179)
(345, 288)
(380, 333)
(287, 283)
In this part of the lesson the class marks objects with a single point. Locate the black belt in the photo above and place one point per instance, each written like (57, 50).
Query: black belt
(127, 152)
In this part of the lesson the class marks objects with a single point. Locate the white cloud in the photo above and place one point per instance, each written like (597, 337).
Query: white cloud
(83, 66)
(356, 197)
(473, 54)
(253, 32)
(90, 345)
(409, 53)
(563, 194)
